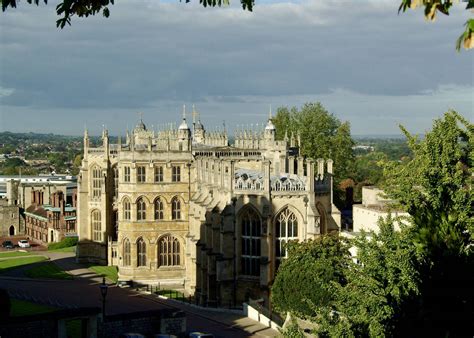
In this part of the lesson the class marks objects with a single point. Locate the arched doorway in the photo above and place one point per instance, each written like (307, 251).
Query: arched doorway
(12, 231)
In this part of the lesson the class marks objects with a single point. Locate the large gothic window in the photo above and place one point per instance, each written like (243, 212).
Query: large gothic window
(126, 209)
(141, 210)
(96, 226)
(251, 227)
(96, 182)
(286, 229)
(158, 209)
(169, 253)
(175, 208)
(126, 253)
(141, 252)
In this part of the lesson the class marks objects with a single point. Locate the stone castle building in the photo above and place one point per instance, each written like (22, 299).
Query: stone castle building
(184, 209)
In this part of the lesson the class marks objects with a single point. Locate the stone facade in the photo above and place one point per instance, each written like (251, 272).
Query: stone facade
(182, 208)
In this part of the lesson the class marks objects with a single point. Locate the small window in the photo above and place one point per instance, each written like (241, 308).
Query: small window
(141, 174)
(175, 208)
(126, 174)
(176, 174)
(141, 210)
(126, 210)
(158, 209)
(141, 252)
(158, 174)
(126, 253)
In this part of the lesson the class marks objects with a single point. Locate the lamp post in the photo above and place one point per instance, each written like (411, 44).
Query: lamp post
(234, 286)
(103, 291)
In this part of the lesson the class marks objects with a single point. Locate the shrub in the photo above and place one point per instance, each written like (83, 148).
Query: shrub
(65, 243)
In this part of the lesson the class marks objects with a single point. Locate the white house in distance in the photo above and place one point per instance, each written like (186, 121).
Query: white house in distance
(374, 206)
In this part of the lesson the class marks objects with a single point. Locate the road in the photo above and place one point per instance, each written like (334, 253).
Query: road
(84, 291)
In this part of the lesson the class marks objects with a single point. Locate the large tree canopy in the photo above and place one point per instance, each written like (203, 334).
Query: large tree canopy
(322, 135)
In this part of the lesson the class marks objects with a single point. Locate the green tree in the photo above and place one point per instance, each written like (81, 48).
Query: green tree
(322, 136)
(372, 302)
(304, 278)
(435, 188)
(432, 7)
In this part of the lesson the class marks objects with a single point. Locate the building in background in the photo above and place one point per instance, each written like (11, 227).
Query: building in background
(374, 206)
(182, 208)
(20, 195)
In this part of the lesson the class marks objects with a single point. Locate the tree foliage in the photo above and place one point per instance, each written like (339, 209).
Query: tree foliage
(322, 135)
(304, 278)
(432, 7)
(372, 301)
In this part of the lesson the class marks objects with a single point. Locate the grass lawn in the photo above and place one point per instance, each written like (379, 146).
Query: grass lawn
(109, 272)
(47, 270)
(15, 254)
(68, 249)
(24, 308)
(8, 264)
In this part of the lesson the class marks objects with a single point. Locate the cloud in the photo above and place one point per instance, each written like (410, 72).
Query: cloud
(153, 56)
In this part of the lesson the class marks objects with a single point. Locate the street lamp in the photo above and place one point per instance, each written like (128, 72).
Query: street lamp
(103, 291)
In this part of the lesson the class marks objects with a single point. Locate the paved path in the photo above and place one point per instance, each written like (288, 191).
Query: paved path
(84, 291)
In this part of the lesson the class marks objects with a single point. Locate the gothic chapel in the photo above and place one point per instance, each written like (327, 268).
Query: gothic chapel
(182, 208)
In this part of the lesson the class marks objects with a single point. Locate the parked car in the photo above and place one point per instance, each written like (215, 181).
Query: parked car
(23, 243)
(7, 244)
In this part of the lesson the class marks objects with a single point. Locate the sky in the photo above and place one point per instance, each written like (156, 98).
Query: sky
(365, 63)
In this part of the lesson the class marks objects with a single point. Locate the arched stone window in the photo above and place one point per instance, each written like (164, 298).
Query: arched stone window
(175, 208)
(126, 209)
(127, 261)
(286, 229)
(169, 251)
(141, 209)
(158, 209)
(141, 252)
(96, 226)
(96, 182)
(251, 227)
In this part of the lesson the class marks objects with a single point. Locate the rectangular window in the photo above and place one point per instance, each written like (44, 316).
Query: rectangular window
(141, 178)
(158, 174)
(126, 174)
(176, 174)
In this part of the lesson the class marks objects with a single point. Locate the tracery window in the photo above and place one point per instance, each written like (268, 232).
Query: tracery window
(169, 251)
(286, 229)
(126, 209)
(158, 208)
(251, 227)
(159, 174)
(175, 208)
(141, 252)
(126, 253)
(176, 173)
(96, 182)
(96, 226)
(141, 209)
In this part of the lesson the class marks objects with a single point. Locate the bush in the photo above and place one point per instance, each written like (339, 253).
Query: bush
(65, 243)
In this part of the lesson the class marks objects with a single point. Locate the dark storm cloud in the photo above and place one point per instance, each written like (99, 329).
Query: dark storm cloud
(154, 56)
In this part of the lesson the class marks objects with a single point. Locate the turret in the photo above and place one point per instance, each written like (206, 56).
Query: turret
(86, 143)
(270, 129)
(184, 133)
